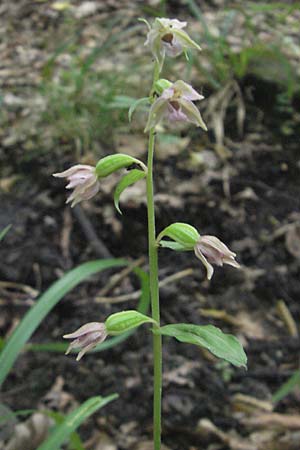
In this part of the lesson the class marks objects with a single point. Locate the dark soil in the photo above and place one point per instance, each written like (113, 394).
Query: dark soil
(264, 196)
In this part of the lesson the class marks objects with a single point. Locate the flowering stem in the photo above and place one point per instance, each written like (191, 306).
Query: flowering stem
(154, 289)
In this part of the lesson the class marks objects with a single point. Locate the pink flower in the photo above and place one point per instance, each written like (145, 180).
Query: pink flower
(210, 250)
(166, 37)
(83, 179)
(176, 104)
(86, 337)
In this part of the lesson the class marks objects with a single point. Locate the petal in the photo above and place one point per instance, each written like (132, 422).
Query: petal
(90, 347)
(219, 245)
(157, 110)
(79, 178)
(87, 328)
(176, 115)
(88, 183)
(187, 91)
(175, 24)
(209, 267)
(91, 192)
(167, 93)
(231, 262)
(192, 113)
(213, 255)
(85, 350)
(156, 47)
(72, 170)
(185, 40)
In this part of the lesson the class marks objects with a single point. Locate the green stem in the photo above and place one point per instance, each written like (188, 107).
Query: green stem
(153, 269)
(154, 289)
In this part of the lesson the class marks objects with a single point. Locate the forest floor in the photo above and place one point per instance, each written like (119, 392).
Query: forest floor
(245, 190)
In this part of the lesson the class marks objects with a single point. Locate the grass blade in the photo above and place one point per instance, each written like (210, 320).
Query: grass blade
(44, 304)
(4, 231)
(72, 421)
(142, 307)
(287, 387)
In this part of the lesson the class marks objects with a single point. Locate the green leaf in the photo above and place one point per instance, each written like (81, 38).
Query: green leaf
(124, 321)
(61, 433)
(139, 102)
(184, 234)
(132, 177)
(44, 305)
(121, 102)
(112, 163)
(222, 345)
(4, 232)
(59, 418)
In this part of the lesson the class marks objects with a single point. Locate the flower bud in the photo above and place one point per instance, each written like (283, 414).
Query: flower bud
(83, 179)
(86, 337)
(161, 85)
(210, 250)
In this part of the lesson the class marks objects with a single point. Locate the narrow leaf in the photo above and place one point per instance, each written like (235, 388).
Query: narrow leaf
(287, 387)
(139, 102)
(132, 177)
(112, 163)
(59, 418)
(124, 321)
(184, 234)
(44, 305)
(4, 232)
(224, 346)
(61, 433)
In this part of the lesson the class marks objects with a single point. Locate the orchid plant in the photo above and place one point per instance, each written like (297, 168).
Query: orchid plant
(172, 102)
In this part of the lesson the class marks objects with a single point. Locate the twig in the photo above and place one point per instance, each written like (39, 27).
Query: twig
(135, 295)
(100, 249)
(117, 278)
(287, 318)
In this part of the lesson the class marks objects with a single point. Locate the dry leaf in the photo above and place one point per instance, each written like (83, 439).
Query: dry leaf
(292, 240)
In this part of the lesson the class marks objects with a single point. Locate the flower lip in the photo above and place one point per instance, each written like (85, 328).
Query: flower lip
(175, 104)
(168, 38)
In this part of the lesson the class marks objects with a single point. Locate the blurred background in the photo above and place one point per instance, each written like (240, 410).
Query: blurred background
(69, 72)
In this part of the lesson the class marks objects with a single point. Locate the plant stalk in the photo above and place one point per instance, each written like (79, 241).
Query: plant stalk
(154, 289)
